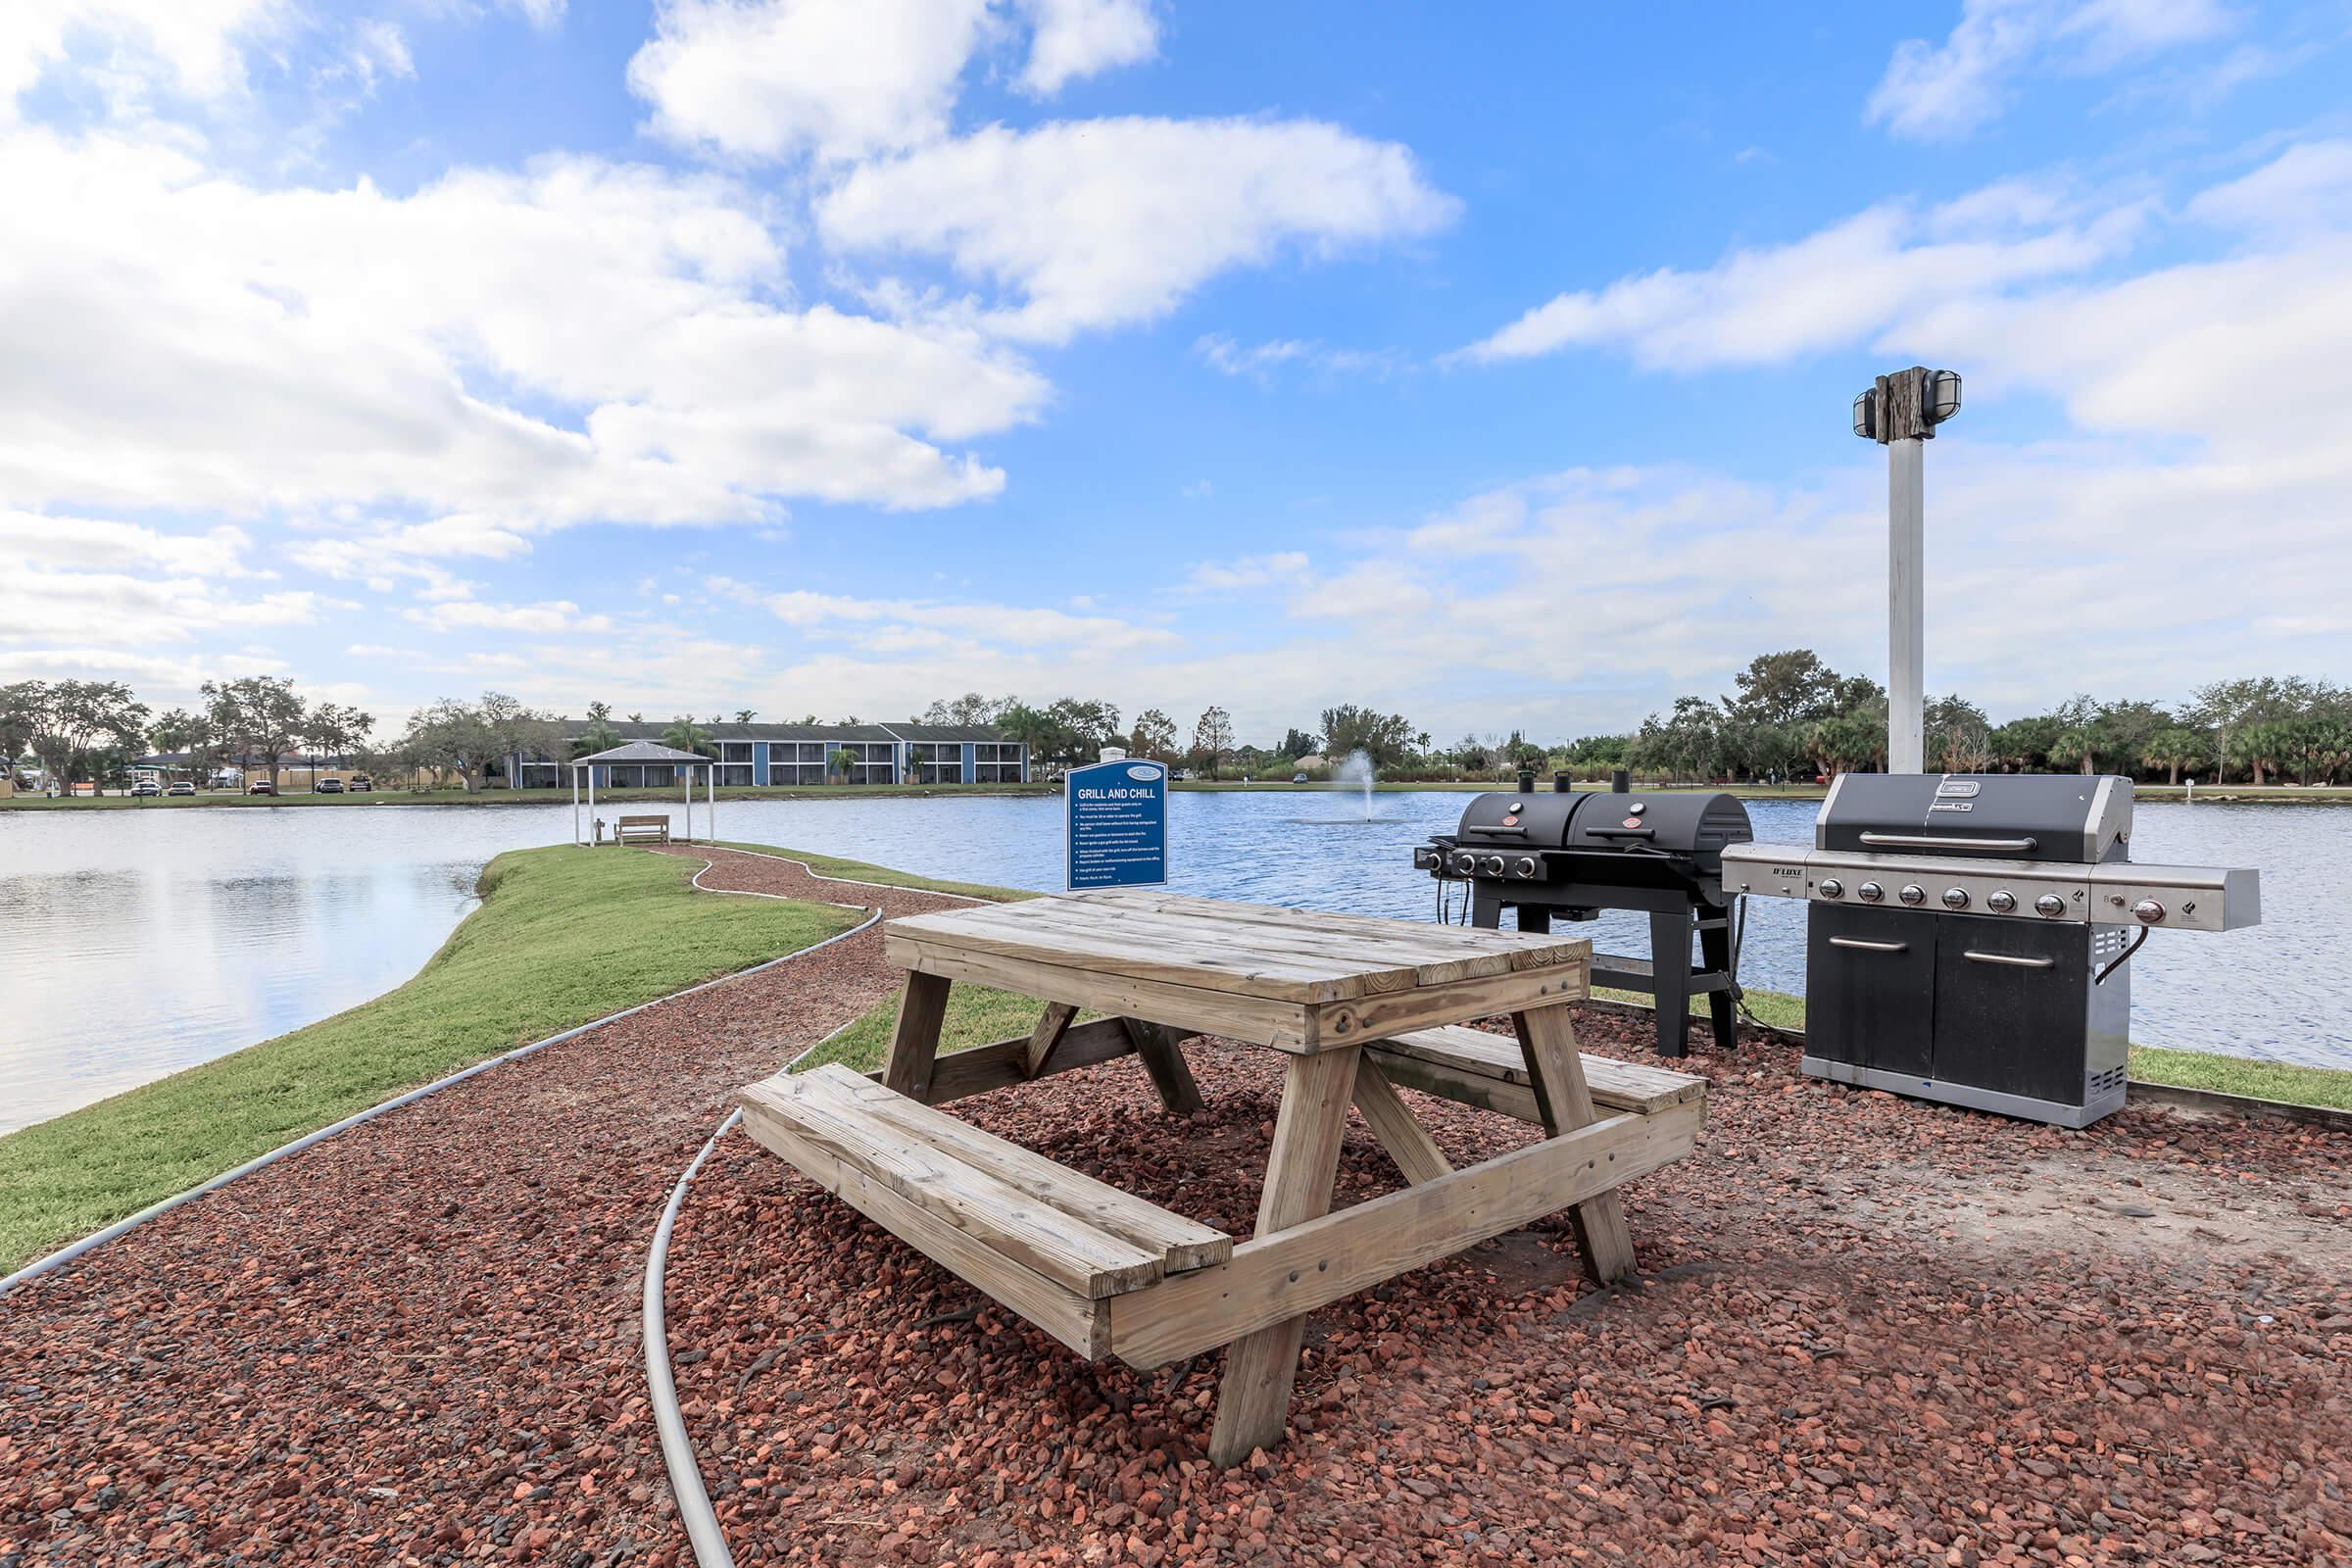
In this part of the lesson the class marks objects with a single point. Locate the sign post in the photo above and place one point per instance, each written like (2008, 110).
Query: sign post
(1118, 816)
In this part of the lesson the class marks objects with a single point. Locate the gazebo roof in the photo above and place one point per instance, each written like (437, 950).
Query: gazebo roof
(642, 752)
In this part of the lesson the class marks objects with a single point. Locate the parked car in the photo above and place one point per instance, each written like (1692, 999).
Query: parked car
(260, 786)
(1298, 778)
(180, 786)
(361, 784)
(328, 786)
(145, 788)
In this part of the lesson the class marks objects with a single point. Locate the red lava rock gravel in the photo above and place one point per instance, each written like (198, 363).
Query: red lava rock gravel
(417, 1341)
(1872, 1331)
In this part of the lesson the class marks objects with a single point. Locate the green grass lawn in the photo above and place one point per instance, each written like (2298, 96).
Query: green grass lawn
(562, 936)
(861, 871)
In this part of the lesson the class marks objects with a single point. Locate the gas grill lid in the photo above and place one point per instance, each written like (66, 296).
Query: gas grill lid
(2078, 819)
(1681, 824)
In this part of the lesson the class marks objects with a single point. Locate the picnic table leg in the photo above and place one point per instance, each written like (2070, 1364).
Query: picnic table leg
(1051, 1027)
(1254, 1400)
(1547, 1041)
(1164, 1062)
(914, 1046)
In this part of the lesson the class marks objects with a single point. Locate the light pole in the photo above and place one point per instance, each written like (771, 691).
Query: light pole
(1900, 412)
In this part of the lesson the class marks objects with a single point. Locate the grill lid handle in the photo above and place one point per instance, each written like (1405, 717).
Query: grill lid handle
(1623, 832)
(1936, 841)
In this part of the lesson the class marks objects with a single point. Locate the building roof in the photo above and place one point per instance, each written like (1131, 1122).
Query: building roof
(758, 731)
(643, 751)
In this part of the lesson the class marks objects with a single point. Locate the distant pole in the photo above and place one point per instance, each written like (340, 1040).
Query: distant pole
(1900, 412)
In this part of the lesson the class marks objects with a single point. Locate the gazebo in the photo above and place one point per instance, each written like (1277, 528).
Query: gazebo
(646, 752)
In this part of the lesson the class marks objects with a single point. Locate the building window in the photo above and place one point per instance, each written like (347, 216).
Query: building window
(796, 763)
(997, 762)
(935, 761)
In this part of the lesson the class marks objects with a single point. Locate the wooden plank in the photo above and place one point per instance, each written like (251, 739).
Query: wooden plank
(1076, 1321)
(1425, 940)
(1180, 1243)
(1251, 1019)
(821, 1108)
(1165, 1064)
(1002, 1063)
(1274, 1278)
(1621, 1085)
(1388, 963)
(914, 1041)
(1198, 960)
(1456, 1084)
(1368, 1018)
(1416, 1154)
(1048, 1033)
(1253, 1402)
(1556, 1074)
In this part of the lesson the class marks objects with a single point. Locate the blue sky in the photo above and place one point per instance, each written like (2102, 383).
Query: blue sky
(827, 355)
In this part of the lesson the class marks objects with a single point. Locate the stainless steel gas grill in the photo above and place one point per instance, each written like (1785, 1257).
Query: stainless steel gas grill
(1577, 853)
(1967, 935)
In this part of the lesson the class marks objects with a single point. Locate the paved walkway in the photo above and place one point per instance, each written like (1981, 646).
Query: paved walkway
(416, 1341)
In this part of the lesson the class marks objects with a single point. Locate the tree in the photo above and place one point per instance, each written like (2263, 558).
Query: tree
(2074, 744)
(1212, 739)
(685, 735)
(453, 737)
(744, 715)
(2024, 744)
(64, 721)
(257, 717)
(1032, 727)
(1297, 743)
(1153, 736)
(2172, 749)
(1787, 688)
(337, 730)
(969, 712)
(1959, 736)
(1084, 728)
(1387, 739)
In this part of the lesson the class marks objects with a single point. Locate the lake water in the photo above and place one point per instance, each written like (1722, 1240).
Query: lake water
(134, 943)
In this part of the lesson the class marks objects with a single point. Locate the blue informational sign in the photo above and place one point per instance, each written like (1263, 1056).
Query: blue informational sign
(1118, 824)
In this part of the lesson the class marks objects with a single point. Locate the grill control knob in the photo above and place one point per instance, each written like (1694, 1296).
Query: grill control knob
(1912, 893)
(1870, 893)
(1465, 864)
(1493, 866)
(2147, 911)
(1832, 888)
(2049, 905)
(1526, 865)
(1955, 898)
(2000, 901)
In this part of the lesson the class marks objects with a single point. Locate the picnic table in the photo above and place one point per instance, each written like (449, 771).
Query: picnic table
(1354, 1006)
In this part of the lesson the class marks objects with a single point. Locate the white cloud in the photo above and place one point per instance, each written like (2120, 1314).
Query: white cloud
(1098, 222)
(551, 616)
(30, 538)
(1941, 91)
(512, 351)
(1082, 37)
(973, 624)
(116, 609)
(2305, 188)
(1249, 571)
(133, 47)
(1834, 287)
(1223, 352)
(845, 79)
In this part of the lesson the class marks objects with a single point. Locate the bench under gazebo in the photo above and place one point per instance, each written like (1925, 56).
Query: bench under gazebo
(644, 752)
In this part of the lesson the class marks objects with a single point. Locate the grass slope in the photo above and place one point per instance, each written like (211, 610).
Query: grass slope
(561, 937)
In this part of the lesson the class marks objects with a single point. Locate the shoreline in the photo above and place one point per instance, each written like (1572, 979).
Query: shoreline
(2219, 795)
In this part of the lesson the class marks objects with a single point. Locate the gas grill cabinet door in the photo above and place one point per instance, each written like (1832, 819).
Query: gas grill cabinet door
(1870, 977)
(2010, 1006)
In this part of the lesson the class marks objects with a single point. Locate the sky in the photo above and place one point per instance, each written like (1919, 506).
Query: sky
(1489, 364)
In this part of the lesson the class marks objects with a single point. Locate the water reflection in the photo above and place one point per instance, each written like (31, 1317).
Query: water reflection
(134, 943)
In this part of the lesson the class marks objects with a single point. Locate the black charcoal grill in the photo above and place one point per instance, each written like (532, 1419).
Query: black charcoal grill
(1570, 853)
(1967, 935)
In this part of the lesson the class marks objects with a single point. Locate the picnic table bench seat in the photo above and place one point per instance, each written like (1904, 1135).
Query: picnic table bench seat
(1045, 1241)
(649, 829)
(1459, 1063)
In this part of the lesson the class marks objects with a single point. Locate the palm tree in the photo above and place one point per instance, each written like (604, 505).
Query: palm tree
(2172, 749)
(688, 736)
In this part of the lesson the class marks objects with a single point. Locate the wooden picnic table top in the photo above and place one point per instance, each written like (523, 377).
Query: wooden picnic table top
(1254, 950)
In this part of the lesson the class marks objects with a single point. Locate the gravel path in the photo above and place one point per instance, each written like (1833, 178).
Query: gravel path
(416, 1341)
(1874, 1332)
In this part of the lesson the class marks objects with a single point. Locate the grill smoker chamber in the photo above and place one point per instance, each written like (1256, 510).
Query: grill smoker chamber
(1576, 855)
(1967, 935)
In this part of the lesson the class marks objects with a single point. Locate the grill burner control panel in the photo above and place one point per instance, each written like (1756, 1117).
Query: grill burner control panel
(2173, 897)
